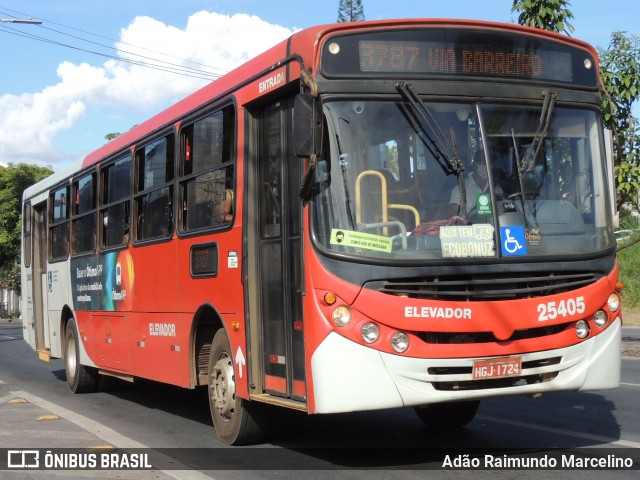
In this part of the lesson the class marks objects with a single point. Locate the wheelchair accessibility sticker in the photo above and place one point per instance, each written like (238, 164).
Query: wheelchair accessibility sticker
(513, 241)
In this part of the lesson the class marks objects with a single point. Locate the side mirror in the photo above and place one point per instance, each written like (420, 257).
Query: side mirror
(611, 178)
(307, 125)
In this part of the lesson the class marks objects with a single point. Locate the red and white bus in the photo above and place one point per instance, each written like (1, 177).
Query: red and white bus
(403, 213)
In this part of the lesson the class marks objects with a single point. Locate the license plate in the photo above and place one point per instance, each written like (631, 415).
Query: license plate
(497, 368)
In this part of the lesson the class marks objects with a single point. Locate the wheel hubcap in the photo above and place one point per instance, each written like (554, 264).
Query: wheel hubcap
(71, 357)
(223, 387)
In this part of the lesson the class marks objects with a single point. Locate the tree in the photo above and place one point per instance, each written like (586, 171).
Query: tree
(552, 15)
(350, 11)
(14, 179)
(620, 73)
(110, 136)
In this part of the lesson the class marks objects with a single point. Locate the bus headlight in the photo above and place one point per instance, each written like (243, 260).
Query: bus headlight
(613, 303)
(400, 342)
(341, 316)
(600, 318)
(582, 329)
(370, 332)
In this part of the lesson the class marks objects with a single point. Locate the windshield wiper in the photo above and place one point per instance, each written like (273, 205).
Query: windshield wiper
(520, 171)
(527, 163)
(431, 132)
(538, 137)
(427, 127)
(343, 162)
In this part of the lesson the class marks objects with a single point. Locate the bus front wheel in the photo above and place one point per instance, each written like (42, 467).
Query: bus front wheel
(81, 379)
(448, 415)
(236, 420)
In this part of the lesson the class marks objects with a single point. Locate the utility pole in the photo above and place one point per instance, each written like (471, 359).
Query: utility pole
(29, 21)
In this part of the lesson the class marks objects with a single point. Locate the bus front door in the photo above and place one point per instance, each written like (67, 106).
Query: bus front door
(275, 257)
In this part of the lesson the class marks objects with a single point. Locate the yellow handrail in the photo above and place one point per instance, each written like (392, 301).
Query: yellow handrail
(383, 194)
(410, 208)
(385, 205)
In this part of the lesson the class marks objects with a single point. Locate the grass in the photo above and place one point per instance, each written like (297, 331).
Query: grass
(629, 262)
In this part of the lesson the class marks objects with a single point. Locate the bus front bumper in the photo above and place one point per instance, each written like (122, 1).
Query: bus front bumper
(351, 377)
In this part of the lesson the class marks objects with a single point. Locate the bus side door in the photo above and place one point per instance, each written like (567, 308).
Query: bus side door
(36, 318)
(274, 235)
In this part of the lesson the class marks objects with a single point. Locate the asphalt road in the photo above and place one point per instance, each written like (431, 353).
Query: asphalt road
(38, 411)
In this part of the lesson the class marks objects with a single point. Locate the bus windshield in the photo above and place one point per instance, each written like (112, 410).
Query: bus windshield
(460, 180)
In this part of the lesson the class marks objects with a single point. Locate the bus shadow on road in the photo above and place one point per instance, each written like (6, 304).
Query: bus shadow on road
(559, 420)
(515, 426)
(188, 404)
(397, 438)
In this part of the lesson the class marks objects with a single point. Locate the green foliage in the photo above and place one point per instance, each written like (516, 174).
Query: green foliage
(552, 15)
(620, 73)
(629, 259)
(14, 179)
(350, 11)
(110, 136)
(113, 135)
(629, 263)
(10, 276)
(392, 159)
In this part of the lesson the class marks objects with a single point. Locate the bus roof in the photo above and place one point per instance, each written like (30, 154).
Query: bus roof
(51, 180)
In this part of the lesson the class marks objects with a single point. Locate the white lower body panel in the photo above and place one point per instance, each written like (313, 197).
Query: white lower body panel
(351, 377)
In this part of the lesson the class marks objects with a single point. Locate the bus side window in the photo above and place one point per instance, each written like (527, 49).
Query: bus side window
(207, 171)
(59, 224)
(154, 191)
(83, 225)
(27, 237)
(114, 214)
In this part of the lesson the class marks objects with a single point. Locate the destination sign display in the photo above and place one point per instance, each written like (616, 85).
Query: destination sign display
(432, 57)
(458, 52)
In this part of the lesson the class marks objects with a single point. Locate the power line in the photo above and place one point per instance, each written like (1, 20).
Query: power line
(131, 45)
(170, 68)
(135, 46)
(157, 65)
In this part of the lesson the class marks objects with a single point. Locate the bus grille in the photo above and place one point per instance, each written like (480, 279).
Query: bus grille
(480, 287)
(488, 337)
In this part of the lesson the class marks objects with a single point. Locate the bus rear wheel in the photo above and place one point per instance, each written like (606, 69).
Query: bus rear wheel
(237, 421)
(448, 415)
(80, 379)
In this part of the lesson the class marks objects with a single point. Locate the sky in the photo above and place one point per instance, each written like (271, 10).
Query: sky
(77, 77)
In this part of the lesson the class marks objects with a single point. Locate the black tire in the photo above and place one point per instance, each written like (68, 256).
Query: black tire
(81, 379)
(448, 415)
(237, 421)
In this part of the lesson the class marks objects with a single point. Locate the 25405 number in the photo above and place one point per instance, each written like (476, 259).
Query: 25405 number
(563, 308)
